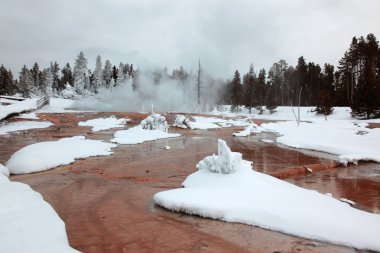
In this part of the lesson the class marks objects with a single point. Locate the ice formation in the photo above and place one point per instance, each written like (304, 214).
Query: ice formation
(155, 122)
(225, 162)
(182, 122)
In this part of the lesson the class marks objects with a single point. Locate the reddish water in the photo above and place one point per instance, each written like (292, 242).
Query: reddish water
(106, 202)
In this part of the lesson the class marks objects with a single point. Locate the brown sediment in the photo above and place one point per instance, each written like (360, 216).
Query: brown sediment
(304, 170)
(373, 125)
(106, 202)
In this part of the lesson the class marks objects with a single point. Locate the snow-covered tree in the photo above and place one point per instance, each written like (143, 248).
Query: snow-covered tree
(107, 74)
(121, 76)
(26, 82)
(81, 78)
(98, 75)
(48, 80)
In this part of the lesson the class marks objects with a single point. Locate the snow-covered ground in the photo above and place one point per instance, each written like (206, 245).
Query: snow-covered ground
(57, 105)
(351, 140)
(204, 123)
(22, 106)
(104, 123)
(225, 187)
(47, 155)
(23, 125)
(27, 222)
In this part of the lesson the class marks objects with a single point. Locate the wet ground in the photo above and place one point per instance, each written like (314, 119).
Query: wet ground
(106, 202)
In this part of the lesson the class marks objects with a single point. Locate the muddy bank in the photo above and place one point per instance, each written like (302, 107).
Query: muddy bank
(106, 202)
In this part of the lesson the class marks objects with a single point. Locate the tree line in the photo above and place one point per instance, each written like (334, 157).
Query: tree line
(354, 83)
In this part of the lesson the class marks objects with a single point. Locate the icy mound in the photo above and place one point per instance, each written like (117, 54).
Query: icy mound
(251, 128)
(253, 198)
(155, 122)
(225, 162)
(182, 122)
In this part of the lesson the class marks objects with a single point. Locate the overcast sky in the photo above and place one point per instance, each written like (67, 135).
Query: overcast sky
(225, 34)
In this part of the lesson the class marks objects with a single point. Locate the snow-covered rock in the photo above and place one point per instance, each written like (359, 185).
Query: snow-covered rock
(28, 223)
(155, 122)
(257, 199)
(225, 162)
(182, 122)
(50, 154)
(69, 92)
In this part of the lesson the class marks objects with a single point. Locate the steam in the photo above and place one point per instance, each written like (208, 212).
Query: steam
(154, 88)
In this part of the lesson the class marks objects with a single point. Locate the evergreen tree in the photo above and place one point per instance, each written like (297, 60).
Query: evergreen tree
(301, 73)
(81, 79)
(325, 96)
(107, 74)
(6, 82)
(67, 77)
(199, 83)
(260, 91)
(48, 81)
(270, 101)
(54, 69)
(98, 75)
(114, 76)
(36, 75)
(26, 82)
(249, 81)
(121, 77)
(236, 92)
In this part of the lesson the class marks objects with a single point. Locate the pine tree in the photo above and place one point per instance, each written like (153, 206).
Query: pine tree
(114, 76)
(236, 92)
(48, 81)
(36, 75)
(6, 82)
(260, 91)
(107, 74)
(54, 69)
(249, 81)
(81, 79)
(325, 96)
(98, 75)
(67, 77)
(26, 82)
(199, 83)
(121, 77)
(270, 101)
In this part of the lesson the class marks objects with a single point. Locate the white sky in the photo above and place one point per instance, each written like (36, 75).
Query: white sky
(225, 34)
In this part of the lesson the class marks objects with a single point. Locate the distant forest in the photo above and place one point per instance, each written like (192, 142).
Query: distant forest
(354, 83)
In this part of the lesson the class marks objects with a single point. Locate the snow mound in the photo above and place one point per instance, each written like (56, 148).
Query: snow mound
(225, 162)
(251, 128)
(204, 123)
(19, 107)
(137, 134)
(50, 154)
(182, 122)
(23, 125)
(155, 122)
(253, 198)
(4, 170)
(103, 123)
(28, 223)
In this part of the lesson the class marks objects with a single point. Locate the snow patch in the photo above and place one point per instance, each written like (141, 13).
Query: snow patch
(50, 154)
(28, 223)
(103, 123)
(4, 170)
(23, 125)
(253, 198)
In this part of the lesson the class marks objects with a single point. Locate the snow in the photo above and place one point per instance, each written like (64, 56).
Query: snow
(204, 123)
(19, 107)
(50, 154)
(31, 115)
(57, 105)
(27, 222)
(251, 128)
(253, 198)
(137, 135)
(155, 122)
(103, 123)
(350, 140)
(23, 125)
(182, 122)
(4, 170)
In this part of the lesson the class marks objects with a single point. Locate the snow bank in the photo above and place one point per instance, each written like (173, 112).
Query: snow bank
(182, 122)
(251, 128)
(137, 135)
(103, 123)
(253, 198)
(351, 141)
(47, 155)
(155, 122)
(27, 222)
(23, 125)
(19, 107)
(57, 105)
